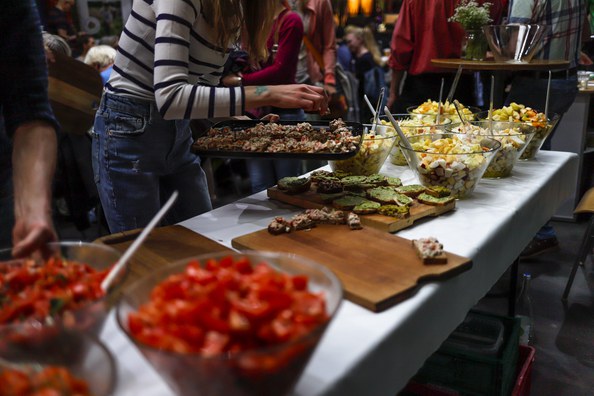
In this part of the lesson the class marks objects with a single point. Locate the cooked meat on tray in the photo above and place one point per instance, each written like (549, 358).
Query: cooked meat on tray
(278, 138)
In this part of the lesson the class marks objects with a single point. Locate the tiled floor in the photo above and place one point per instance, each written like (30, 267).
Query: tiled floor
(564, 332)
(564, 340)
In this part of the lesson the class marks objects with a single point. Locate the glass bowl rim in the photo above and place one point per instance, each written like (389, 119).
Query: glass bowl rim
(491, 150)
(396, 115)
(228, 356)
(111, 292)
(532, 128)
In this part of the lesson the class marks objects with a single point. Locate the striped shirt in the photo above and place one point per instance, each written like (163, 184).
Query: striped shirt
(565, 19)
(166, 54)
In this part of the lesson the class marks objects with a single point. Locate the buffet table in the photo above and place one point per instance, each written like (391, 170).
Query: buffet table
(366, 353)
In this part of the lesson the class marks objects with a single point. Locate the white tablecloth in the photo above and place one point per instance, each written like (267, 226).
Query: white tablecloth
(376, 353)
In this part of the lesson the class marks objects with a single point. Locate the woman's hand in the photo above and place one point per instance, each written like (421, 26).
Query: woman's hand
(271, 117)
(295, 96)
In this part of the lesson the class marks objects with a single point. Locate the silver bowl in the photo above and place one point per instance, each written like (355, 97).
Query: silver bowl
(514, 43)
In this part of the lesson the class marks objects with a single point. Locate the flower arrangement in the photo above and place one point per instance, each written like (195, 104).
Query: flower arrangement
(471, 15)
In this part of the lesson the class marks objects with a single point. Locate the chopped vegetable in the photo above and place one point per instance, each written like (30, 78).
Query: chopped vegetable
(37, 290)
(227, 306)
(52, 380)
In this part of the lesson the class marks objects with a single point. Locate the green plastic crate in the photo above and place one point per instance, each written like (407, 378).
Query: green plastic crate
(474, 372)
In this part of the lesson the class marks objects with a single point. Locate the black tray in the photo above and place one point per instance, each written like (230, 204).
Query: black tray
(238, 125)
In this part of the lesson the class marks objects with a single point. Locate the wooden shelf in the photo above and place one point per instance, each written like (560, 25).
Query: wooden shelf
(503, 66)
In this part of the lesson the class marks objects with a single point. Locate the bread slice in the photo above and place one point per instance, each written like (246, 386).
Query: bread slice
(429, 250)
(348, 202)
(434, 201)
(412, 190)
(367, 207)
(294, 185)
(397, 211)
(438, 191)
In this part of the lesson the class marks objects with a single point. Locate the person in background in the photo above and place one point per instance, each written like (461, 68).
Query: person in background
(112, 41)
(84, 42)
(562, 42)
(422, 33)
(58, 21)
(367, 57)
(283, 44)
(343, 53)
(320, 32)
(102, 58)
(30, 125)
(167, 71)
(55, 44)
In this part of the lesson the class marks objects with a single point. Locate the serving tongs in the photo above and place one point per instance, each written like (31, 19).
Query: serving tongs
(454, 85)
(401, 134)
(490, 116)
(465, 122)
(377, 110)
(439, 105)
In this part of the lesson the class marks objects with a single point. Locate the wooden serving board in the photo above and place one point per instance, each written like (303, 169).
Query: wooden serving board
(312, 200)
(74, 90)
(377, 269)
(164, 245)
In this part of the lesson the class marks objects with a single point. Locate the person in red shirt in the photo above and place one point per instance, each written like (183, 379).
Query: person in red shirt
(283, 43)
(422, 33)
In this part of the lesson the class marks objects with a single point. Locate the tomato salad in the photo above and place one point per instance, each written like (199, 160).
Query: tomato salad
(227, 305)
(50, 381)
(36, 291)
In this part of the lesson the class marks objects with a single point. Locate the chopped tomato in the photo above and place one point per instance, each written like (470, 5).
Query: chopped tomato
(32, 290)
(50, 381)
(230, 305)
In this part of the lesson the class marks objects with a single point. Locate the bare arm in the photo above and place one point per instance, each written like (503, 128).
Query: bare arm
(308, 97)
(34, 162)
(395, 86)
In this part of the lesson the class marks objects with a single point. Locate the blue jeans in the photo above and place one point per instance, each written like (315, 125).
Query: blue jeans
(265, 173)
(139, 159)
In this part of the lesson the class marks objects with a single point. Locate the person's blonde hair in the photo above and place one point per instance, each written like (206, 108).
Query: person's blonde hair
(101, 56)
(366, 35)
(252, 18)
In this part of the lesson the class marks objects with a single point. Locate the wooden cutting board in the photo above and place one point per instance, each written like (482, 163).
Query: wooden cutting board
(164, 245)
(377, 269)
(312, 200)
(74, 90)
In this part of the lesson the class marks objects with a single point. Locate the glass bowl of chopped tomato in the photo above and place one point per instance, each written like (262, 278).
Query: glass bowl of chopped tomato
(231, 324)
(41, 360)
(63, 289)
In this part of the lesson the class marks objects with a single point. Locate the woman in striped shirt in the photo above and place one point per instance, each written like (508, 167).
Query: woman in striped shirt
(169, 63)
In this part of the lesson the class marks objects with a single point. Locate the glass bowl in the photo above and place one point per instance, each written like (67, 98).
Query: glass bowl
(430, 108)
(77, 304)
(210, 362)
(451, 160)
(520, 113)
(412, 124)
(514, 43)
(374, 150)
(33, 352)
(513, 136)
